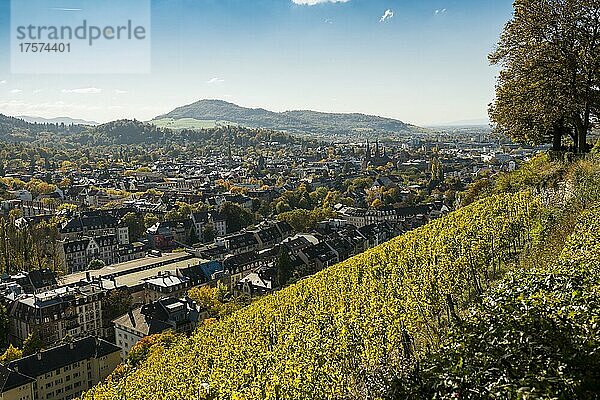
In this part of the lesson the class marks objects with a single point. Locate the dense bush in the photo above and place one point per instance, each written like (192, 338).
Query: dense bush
(537, 335)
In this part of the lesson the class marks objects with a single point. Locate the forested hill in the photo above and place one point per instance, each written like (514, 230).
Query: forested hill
(290, 121)
(231, 118)
(117, 132)
(474, 305)
(17, 130)
(125, 132)
(57, 120)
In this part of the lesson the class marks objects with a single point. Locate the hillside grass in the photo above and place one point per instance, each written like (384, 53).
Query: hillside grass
(351, 330)
(535, 336)
(188, 123)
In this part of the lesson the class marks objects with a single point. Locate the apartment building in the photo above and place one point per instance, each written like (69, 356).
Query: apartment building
(60, 373)
(94, 235)
(80, 252)
(91, 223)
(58, 313)
(15, 386)
(178, 315)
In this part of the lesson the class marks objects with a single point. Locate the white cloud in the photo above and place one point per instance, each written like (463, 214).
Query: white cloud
(66, 9)
(328, 21)
(118, 91)
(215, 80)
(313, 2)
(47, 110)
(387, 15)
(15, 91)
(441, 11)
(2, 82)
(88, 90)
(36, 91)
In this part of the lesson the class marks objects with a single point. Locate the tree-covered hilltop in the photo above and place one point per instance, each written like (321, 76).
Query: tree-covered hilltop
(130, 132)
(231, 117)
(300, 121)
(17, 130)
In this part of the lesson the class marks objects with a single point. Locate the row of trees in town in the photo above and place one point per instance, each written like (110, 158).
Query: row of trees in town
(28, 246)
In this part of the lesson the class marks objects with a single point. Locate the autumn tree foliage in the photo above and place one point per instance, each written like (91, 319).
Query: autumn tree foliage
(549, 83)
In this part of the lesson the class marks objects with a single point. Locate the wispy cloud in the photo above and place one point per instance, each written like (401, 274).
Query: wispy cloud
(215, 80)
(88, 90)
(314, 2)
(387, 15)
(3, 82)
(119, 91)
(65, 9)
(48, 110)
(328, 21)
(15, 91)
(441, 11)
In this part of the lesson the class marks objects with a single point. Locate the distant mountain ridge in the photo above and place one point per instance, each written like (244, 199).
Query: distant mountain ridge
(465, 122)
(57, 120)
(298, 121)
(13, 129)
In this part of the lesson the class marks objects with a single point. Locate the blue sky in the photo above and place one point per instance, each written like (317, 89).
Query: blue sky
(424, 64)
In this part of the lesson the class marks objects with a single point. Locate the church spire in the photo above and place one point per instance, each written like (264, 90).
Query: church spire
(367, 159)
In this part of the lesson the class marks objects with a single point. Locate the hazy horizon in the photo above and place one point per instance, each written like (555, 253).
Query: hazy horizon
(422, 62)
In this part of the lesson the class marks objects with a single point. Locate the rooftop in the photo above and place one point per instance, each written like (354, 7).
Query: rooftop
(123, 268)
(57, 357)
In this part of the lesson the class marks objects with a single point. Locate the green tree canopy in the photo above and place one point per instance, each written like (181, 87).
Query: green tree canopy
(33, 343)
(150, 219)
(135, 224)
(11, 354)
(116, 303)
(4, 326)
(237, 216)
(549, 84)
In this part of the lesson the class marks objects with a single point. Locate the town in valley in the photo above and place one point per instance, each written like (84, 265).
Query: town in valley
(108, 243)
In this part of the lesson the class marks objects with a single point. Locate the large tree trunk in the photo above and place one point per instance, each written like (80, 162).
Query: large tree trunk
(582, 141)
(557, 138)
(581, 135)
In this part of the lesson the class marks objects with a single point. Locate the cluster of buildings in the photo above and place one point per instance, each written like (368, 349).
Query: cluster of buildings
(264, 171)
(179, 315)
(73, 319)
(74, 315)
(61, 372)
(77, 306)
(96, 235)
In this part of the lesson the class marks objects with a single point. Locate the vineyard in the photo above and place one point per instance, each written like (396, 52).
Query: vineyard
(535, 336)
(353, 330)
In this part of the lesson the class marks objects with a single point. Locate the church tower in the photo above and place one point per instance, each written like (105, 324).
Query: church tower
(367, 158)
(229, 155)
